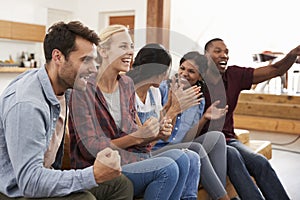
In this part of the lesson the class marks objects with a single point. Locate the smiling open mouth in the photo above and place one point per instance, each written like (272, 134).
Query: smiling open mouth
(126, 60)
(223, 64)
(85, 77)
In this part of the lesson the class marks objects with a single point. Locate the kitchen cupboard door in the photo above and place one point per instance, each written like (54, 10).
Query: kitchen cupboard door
(5, 29)
(27, 32)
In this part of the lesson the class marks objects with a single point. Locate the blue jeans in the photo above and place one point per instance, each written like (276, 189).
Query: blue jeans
(160, 177)
(190, 190)
(242, 163)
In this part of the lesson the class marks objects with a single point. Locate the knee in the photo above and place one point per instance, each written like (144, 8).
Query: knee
(161, 169)
(90, 197)
(184, 161)
(126, 183)
(261, 162)
(218, 137)
(194, 158)
(84, 195)
(233, 155)
(232, 151)
(171, 172)
(180, 157)
(214, 139)
(197, 148)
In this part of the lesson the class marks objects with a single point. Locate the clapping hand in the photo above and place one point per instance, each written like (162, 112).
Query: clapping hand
(180, 99)
(213, 112)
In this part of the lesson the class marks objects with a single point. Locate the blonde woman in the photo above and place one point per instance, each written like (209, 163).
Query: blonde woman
(104, 116)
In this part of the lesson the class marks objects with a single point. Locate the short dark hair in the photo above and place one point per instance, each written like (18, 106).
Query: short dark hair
(151, 60)
(62, 36)
(200, 60)
(207, 45)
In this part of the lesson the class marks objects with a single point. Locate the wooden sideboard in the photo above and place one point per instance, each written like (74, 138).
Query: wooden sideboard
(268, 112)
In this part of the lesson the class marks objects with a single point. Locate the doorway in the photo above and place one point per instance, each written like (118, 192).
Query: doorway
(127, 21)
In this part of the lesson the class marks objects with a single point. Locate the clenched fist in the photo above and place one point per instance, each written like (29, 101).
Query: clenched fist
(107, 165)
(166, 128)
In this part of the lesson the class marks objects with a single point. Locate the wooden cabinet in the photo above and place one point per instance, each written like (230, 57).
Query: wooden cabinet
(28, 32)
(5, 29)
(22, 31)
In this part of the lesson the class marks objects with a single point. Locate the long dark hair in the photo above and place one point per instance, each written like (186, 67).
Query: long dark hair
(151, 60)
(200, 60)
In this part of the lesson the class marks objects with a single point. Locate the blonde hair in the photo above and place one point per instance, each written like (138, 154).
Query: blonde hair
(106, 33)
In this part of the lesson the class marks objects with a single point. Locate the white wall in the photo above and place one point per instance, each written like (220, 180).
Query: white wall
(247, 27)
(36, 12)
(87, 11)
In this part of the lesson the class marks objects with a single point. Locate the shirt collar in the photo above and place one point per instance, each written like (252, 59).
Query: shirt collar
(47, 87)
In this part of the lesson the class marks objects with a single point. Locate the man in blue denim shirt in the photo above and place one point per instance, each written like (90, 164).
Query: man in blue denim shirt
(29, 115)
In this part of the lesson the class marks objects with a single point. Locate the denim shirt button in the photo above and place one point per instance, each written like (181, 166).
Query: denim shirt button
(176, 128)
(54, 119)
(178, 117)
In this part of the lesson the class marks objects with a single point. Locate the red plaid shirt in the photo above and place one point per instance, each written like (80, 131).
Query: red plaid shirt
(91, 126)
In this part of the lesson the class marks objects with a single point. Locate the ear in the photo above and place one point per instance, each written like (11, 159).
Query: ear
(103, 52)
(57, 56)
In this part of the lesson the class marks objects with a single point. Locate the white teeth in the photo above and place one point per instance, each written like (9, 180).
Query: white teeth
(126, 60)
(223, 64)
(85, 77)
(183, 79)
